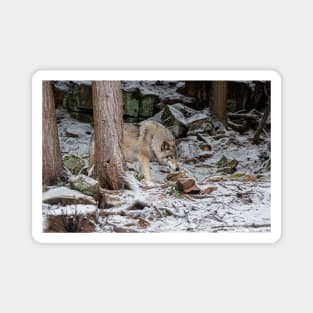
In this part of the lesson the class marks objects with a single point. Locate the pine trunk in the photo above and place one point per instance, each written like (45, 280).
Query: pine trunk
(219, 100)
(52, 166)
(108, 132)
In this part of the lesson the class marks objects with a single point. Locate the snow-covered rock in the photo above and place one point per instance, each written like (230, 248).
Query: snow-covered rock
(64, 195)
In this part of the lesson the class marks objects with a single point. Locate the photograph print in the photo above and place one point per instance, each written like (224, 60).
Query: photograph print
(184, 157)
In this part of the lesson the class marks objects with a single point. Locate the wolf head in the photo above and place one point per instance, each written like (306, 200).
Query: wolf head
(168, 155)
(162, 143)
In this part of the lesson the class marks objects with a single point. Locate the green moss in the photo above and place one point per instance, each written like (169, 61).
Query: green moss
(147, 106)
(73, 163)
(131, 103)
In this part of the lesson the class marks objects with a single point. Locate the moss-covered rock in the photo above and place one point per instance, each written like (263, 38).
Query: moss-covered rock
(78, 100)
(85, 184)
(131, 103)
(148, 106)
(80, 97)
(73, 163)
(227, 166)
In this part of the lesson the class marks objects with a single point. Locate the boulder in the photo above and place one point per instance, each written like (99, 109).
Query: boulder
(199, 123)
(186, 110)
(227, 166)
(81, 97)
(60, 90)
(73, 163)
(180, 87)
(78, 132)
(65, 196)
(85, 184)
(174, 120)
(76, 97)
(148, 106)
(187, 185)
(131, 103)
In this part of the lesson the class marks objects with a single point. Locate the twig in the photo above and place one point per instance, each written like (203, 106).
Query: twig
(247, 116)
(237, 127)
(241, 225)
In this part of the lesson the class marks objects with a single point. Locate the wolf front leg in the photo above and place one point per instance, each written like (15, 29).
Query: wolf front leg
(145, 168)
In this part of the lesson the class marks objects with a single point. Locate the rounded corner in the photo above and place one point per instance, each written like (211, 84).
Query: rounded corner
(276, 238)
(276, 75)
(37, 75)
(36, 238)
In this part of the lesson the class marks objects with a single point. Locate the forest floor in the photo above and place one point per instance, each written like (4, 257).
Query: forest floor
(232, 173)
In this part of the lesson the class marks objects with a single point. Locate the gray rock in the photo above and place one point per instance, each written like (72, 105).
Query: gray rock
(186, 110)
(60, 90)
(75, 132)
(64, 196)
(199, 123)
(174, 120)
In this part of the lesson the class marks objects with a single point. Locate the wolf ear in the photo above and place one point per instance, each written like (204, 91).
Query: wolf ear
(165, 146)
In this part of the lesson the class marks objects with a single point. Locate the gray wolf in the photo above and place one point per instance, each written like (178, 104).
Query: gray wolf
(144, 142)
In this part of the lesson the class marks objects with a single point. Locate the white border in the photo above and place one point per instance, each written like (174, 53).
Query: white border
(270, 237)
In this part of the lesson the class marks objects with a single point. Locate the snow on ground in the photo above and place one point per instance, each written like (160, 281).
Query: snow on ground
(237, 207)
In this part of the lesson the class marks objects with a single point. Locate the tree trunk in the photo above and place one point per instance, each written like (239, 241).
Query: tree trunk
(219, 100)
(264, 119)
(108, 132)
(52, 166)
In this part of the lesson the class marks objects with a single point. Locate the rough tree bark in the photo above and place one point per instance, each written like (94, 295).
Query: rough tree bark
(264, 118)
(219, 100)
(52, 166)
(108, 132)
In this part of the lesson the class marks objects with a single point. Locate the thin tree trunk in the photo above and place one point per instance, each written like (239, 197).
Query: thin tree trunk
(108, 132)
(219, 100)
(266, 113)
(52, 166)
